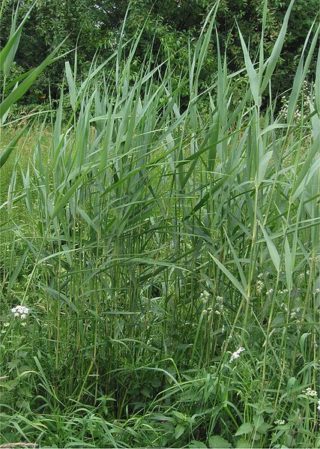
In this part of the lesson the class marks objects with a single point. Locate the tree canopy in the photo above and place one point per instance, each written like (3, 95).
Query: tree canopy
(93, 27)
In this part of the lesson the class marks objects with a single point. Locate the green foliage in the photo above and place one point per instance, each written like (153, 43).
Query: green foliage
(12, 91)
(165, 240)
(172, 26)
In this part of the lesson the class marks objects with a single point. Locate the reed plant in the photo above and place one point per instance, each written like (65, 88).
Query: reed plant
(168, 258)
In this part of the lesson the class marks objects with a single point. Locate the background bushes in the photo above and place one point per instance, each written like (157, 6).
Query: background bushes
(95, 27)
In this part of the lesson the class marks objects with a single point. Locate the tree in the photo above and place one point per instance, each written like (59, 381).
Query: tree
(94, 26)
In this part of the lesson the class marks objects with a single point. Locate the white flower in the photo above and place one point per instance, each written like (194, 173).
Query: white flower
(235, 355)
(259, 286)
(20, 312)
(204, 296)
(279, 422)
(309, 392)
(318, 407)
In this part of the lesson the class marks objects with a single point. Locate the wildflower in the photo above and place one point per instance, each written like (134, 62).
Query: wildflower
(235, 355)
(219, 305)
(204, 296)
(259, 286)
(269, 292)
(6, 324)
(309, 392)
(279, 422)
(318, 407)
(20, 312)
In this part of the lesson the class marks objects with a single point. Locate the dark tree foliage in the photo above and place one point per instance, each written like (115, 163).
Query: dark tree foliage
(93, 26)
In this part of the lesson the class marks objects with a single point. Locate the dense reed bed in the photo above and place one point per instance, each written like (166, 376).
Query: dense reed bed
(162, 240)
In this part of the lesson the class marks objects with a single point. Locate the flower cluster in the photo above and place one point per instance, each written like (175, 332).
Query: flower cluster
(306, 97)
(20, 312)
(235, 355)
(219, 305)
(309, 392)
(295, 312)
(259, 286)
(204, 296)
(283, 292)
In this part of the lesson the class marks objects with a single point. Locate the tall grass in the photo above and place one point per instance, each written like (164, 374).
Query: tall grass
(156, 241)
